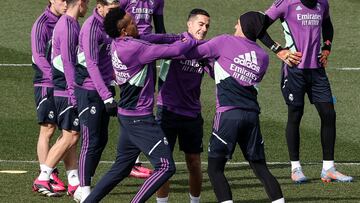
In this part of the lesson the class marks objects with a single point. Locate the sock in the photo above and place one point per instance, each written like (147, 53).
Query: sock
(45, 172)
(328, 164)
(85, 191)
(41, 165)
(194, 199)
(73, 177)
(162, 199)
(227, 201)
(295, 164)
(281, 200)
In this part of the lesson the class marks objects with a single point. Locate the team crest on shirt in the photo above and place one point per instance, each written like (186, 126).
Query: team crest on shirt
(51, 115)
(166, 141)
(93, 110)
(76, 122)
(291, 97)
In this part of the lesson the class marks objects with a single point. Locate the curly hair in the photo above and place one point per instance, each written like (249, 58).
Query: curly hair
(111, 22)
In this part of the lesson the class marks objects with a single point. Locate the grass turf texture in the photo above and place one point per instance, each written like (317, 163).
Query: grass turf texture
(18, 134)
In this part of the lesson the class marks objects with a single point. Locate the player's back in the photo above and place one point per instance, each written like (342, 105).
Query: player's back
(41, 35)
(241, 64)
(64, 45)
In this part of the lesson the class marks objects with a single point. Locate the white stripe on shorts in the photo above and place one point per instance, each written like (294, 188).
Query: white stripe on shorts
(41, 103)
(69, 107)
(87, 108)
(217, 136)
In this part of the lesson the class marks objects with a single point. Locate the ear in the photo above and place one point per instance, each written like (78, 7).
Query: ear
(188, 23)
(52, 1)
(123, 32)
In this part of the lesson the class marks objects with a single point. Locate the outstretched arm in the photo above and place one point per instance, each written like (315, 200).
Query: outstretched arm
(152, 52)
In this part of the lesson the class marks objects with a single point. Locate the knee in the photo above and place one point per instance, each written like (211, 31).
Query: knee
(329, 114)
(47, 130)
(193, 163)
(70, 138)
(295, 114)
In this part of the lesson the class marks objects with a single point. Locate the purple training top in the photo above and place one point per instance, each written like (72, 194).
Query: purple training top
(132, 60)
(302, 28)
(41, 34)
(239, 65)
(143, 11)
(64, 43)
(180, 82)
(94, 70)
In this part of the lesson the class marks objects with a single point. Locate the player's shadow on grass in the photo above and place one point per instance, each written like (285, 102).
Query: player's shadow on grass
(299, 199)
(322, 199)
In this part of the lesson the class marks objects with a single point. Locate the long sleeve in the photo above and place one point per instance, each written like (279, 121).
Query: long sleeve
(40, 51)
(151, 52)
(207, 50)
(160, 38)
(69, 42)
(91, 41)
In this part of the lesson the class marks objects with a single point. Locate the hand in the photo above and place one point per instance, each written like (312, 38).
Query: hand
(111, 106)
(324, 57)
(289, 58)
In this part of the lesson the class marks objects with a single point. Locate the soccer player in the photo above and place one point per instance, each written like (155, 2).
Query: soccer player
(179, 108)
(304, 21)
(143, 11)
(139, 132)
(94, 92)
(64, 43)
(240, 64)
(41, 35)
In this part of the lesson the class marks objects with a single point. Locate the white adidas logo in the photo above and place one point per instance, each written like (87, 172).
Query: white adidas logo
(248, 60)
(298, 8)
(117, 63)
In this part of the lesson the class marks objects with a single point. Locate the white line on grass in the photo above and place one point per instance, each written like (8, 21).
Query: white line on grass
(204, 163)
(29, 65)
(348, 68)
(15, 65)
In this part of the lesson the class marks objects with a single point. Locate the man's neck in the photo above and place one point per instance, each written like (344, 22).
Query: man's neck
(53, 11)
(73, 12)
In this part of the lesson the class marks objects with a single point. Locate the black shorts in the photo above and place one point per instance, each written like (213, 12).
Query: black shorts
(236, 126)
(142, 133)
(296, 82)
(189, 130)
(67, 118)
(45, 106)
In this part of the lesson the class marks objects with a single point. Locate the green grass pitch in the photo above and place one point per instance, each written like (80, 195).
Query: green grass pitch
(18, 128)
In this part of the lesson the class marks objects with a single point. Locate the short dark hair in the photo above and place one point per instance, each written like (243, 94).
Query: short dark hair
(111, 22)
(106, 2)
(71, 2)
(198, 11)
